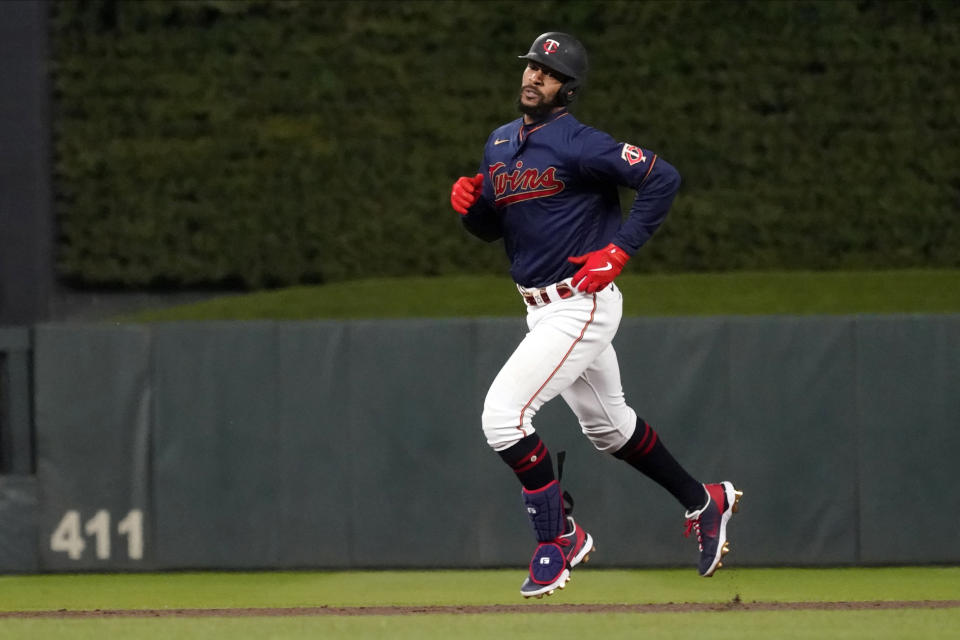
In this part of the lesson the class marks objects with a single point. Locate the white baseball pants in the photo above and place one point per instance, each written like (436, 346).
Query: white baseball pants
(566, 352)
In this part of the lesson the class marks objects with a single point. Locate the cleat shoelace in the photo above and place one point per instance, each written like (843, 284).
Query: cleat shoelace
(693, 524)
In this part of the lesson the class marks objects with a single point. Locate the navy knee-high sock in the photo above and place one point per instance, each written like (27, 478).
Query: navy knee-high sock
(645, 452)
(531, 461)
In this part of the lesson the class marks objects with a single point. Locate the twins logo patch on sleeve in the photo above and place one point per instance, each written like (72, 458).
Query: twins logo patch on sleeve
(632, 154)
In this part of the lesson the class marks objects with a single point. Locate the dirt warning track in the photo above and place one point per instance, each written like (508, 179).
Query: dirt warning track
(669, 607)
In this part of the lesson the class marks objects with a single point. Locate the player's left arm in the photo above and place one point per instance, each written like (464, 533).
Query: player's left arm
(656, 182)
(655, 194)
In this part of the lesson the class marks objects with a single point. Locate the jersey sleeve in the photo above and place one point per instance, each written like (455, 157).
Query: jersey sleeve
(482, 218)
(655, 180)
(483, 221)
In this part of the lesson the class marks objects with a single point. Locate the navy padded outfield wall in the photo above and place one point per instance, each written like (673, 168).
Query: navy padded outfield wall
(348, 444)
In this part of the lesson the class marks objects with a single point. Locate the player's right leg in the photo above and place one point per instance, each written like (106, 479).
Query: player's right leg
(562, 543)
(565, 337)
(562, 341)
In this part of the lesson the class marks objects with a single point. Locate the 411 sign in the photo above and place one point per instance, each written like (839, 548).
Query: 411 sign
(72, 533)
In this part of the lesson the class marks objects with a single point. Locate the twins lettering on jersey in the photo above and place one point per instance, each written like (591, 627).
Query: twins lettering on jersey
(522, 184)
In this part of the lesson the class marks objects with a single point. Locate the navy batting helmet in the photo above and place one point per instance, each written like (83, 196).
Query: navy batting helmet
(564, 54)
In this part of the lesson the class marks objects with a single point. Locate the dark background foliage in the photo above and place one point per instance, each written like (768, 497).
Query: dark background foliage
(254, 144)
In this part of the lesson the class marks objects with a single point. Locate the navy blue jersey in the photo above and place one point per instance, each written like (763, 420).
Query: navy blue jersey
(551, 191)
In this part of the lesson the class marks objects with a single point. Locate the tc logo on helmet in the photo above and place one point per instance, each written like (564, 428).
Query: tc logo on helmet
(550, 46)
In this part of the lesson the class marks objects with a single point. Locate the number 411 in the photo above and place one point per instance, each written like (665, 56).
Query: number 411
(66, 538)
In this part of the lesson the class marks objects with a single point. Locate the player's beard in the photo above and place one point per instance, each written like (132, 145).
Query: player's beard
(537, 111)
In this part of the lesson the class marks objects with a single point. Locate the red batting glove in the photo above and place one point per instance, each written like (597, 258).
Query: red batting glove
(599, 268)
(465, 192)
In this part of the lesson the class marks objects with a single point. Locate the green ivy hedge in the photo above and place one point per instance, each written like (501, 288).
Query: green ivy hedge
(267, 143)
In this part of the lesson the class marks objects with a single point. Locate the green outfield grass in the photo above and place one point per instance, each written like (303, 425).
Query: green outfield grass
(806, 625)
(490, 587)
(904, 291)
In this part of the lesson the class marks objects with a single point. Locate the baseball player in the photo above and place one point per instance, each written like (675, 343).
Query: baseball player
(548, 185)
